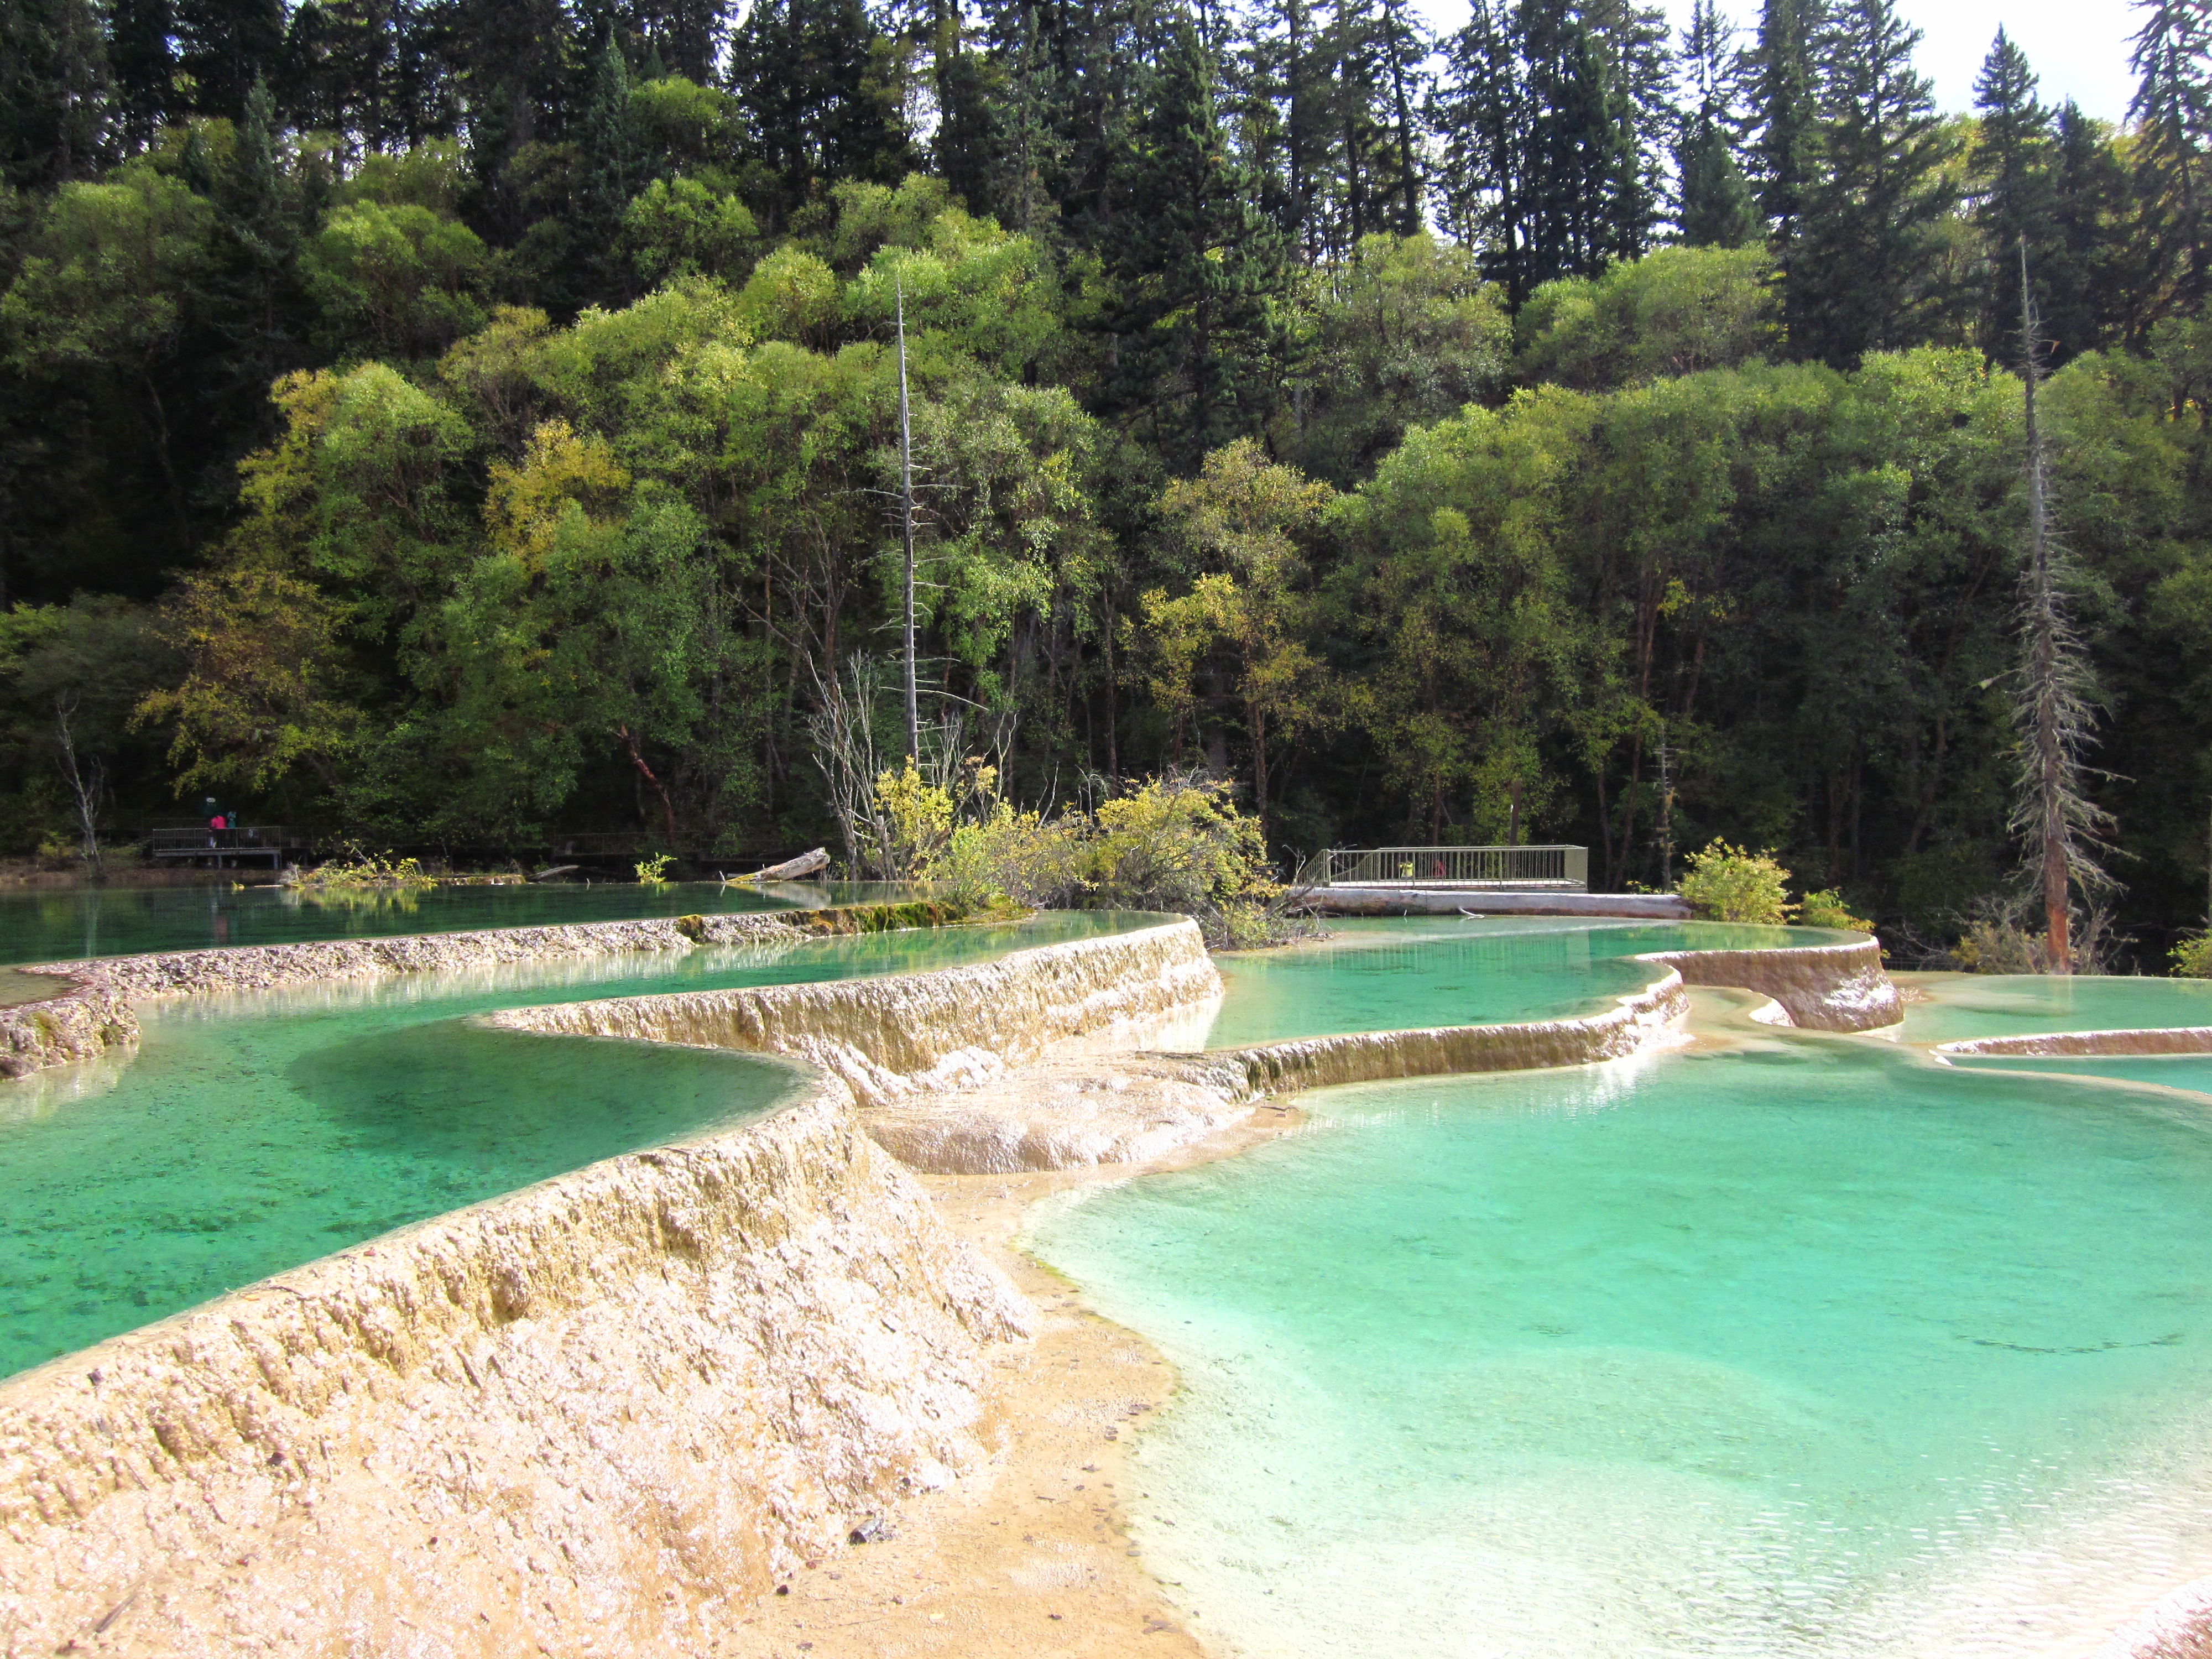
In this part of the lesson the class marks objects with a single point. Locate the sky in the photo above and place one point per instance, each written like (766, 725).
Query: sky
(2079, 47)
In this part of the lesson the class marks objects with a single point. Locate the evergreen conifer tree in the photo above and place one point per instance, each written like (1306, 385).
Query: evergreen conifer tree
(1782, 83)
(1202, 271)
(2085, 266)
(53, 92)
(1716, 209)
(803, 71)
(1862, 258)
(2012, 160)
(1482, 114)
(2172, 116)
(142, 61)
(225, 46)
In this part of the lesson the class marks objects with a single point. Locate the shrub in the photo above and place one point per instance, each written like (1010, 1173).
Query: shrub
(1826, 908)
(2192, 957)
(653, 869)
(1729, 883)
(1994, 943)
(1176, 844)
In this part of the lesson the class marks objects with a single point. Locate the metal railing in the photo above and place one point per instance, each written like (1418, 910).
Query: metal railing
(1565, 869)
(197, 841)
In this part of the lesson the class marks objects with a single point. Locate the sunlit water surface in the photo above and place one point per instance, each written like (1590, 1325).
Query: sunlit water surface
(1812, 1349)
(1389, 974)
(248, 1133)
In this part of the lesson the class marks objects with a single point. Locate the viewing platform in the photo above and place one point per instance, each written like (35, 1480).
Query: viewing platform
(1482, 881)
(273, 844)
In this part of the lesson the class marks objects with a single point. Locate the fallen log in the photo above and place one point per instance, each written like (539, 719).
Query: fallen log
(805, 864)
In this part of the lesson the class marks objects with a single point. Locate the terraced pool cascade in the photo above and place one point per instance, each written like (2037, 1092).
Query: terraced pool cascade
(1374, 974)
(1959, 1006)
(1801, 1349)
(254, 1131)
(108, 921)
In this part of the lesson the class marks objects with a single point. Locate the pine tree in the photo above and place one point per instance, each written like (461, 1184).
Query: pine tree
(1641, 115)
(1783, 102)
(2085, 267)
(803, 71)
(1586, 199)
(613, 171)
(1482, 114)
(1864, 253)
(2012, 160)
(225, 47)
(143, 63)
(1716, 209)
(1373, 51)
(1280, 91)
(1199, 337)
(53, 93)
(2172, 116)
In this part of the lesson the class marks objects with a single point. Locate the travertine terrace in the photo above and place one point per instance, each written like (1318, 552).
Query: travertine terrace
(607, 1413)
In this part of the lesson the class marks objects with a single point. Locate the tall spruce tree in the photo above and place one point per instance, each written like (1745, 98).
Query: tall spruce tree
(1862, 260)
(1784, 82)
(2086, 263)
(224, 46)
(54, 92)
(2172, 116)
(1481, 113)
(1202, 273)
(1581, 170)
(803, 70)
(1373, 52)
(2012, 161)
(142, 60)
(1716, 209)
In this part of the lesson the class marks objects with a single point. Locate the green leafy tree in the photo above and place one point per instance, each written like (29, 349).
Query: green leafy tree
(1678, 311)
(1238, 637)
(108, 291)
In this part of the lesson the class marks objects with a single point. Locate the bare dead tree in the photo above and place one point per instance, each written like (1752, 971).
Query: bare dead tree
(851, 727)
(906, 540)
(87, 779)
(2054, 710)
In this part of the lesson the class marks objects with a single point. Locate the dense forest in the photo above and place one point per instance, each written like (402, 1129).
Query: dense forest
(466, 422)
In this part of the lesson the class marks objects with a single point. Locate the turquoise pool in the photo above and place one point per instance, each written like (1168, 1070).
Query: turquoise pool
(2192, 1072)
(115, 921)
(1969, 1005)
(1809, 1348)
(249, 1134)
(1395, 974)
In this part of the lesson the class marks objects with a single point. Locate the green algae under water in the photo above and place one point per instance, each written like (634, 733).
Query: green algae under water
(66, 925)
(1807, 1349)
(248, 1133)
(1399, 974)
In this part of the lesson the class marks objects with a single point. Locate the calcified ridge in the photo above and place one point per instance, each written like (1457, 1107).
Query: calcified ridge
(612, 1409)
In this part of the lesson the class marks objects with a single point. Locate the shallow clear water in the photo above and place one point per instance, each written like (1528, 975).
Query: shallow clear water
(1977, 1005)
(1807, 1350)
(2192, 1072)
(249, 1134)
(1389, 974)
(112, 921)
